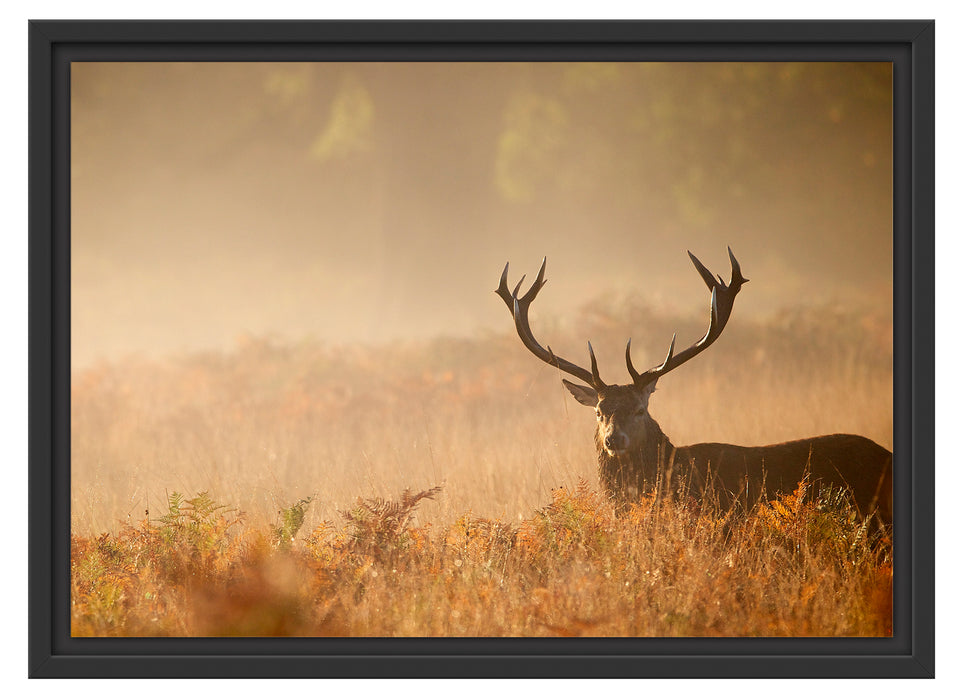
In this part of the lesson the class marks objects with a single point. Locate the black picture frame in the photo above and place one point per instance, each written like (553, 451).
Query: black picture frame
(53, 45)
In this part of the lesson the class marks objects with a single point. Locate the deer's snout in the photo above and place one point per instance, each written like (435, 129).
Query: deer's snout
(616, 442)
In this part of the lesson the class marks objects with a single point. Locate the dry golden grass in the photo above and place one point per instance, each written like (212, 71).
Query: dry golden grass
(575, 568)
(504, 548)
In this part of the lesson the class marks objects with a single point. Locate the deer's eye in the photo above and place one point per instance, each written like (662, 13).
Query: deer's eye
(599, 414)
(640, 411)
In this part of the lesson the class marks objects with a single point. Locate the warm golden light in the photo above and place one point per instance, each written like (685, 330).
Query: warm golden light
(282, 302)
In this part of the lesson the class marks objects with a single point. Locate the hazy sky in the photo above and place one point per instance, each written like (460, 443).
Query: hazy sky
(374, 201)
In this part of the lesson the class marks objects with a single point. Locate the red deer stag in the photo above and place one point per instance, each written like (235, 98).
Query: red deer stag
(632, 448)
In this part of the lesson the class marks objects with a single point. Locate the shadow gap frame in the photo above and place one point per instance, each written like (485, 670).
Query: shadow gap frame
(53, 45)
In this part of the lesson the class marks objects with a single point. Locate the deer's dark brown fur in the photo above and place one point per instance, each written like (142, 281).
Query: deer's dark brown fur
(737, 476)
(635, 456)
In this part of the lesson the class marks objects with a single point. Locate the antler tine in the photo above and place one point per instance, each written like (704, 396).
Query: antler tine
(703, 272)
(737, 273)
(518, 285)
(720, 307)
(540, 277)
(519, 308)
(629, 362)
(597, 382)
(669, 354)
(503, 288)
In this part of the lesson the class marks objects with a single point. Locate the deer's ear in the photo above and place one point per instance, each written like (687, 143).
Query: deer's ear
(584, 394)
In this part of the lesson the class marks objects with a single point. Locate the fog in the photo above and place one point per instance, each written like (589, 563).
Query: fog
(375, 202)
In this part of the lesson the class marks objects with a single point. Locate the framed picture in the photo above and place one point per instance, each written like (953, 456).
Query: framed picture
(282, 425)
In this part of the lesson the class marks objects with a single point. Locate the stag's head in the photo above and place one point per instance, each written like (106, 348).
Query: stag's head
(622, 415)
(622, 411)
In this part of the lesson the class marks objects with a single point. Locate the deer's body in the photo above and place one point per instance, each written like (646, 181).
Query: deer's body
(738, 476)
(635, 456)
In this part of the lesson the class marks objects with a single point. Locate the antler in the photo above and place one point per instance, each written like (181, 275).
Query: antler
(519, 308)
(720, 308)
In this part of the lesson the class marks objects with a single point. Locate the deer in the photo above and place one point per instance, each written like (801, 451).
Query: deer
(635, 455)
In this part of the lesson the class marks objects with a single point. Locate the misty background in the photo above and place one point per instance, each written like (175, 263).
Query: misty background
(378, 202)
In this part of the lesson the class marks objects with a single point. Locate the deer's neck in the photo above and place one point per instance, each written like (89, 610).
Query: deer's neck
(630, 473)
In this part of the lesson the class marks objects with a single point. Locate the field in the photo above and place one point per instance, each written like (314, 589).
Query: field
(448, 487)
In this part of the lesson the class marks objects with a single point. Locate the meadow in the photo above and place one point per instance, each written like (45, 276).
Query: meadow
(447, 486)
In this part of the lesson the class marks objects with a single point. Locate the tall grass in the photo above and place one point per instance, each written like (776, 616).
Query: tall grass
(294, 433)
(272, 422)
(574, 568)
